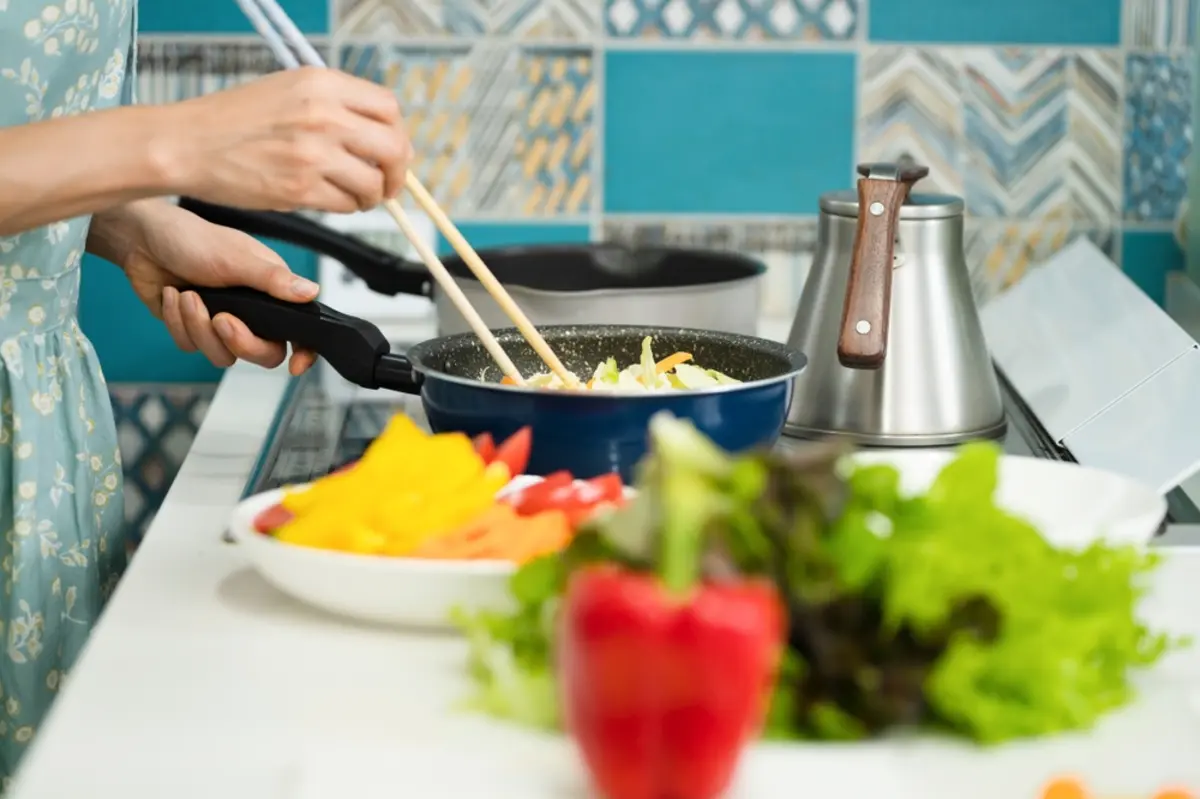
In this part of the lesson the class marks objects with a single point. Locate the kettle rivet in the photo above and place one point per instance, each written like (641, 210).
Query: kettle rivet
(876, 209)
(862, 326)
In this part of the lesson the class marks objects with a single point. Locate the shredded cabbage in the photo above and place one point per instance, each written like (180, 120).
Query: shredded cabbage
(673, 373)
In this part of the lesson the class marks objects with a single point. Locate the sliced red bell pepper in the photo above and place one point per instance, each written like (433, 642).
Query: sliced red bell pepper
(578, 499)
(485, 445)
(271, 519)
(514, 451)
(664, 683)
(605, 489)
(541, 495)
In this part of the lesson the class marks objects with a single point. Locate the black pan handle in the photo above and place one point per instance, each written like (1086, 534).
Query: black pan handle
(355, 348)
(384, 272)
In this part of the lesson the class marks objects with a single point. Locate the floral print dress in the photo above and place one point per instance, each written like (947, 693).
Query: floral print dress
(61, 507)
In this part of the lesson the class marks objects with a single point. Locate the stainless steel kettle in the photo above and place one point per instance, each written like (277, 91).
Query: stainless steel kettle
(896, 353)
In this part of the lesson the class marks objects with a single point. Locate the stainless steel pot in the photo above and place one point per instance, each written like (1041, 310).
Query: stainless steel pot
(553, 284)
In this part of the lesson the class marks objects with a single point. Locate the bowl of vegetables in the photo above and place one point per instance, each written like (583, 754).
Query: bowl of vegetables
(422, 525)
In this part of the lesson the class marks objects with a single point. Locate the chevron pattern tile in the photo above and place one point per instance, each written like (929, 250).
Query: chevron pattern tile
(832, 20)
(1000, 253)
(910, 104)
(1158, 135)
(385, 20)
(785, 247)
(1042, 133)
(1159, 24)
(498, 128)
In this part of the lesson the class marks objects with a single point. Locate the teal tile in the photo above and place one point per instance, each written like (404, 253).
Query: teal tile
(1071, 22)
(1147, 257)
(222, 16)
(132, 345)
(487, 235)
(726, 132)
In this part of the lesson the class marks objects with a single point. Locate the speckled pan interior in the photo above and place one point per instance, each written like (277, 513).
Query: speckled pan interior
(581, 347)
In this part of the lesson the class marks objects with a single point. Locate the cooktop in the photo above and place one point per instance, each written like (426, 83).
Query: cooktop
(323, 423)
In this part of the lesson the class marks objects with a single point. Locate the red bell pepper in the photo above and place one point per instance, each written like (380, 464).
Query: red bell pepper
(485, 445)
(271, 519)
(665, 683)
(514, 451)
(578, 499)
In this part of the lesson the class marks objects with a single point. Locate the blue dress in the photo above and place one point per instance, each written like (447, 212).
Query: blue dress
(61, 505)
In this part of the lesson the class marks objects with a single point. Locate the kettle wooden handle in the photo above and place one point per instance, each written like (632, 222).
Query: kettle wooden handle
(862, 343)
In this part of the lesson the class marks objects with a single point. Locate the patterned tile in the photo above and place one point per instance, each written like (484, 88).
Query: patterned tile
(1042, 133)
(910, 104)
(786, 249)
(528, 19)
(1000, 253)
(1158, 134)
(155, 429)
(171, 71)
(835, 20)
(1159, 24)
(497, 128)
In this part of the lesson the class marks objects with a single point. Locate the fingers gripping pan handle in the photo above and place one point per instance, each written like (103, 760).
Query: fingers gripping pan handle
(862, 343)
(354, 347)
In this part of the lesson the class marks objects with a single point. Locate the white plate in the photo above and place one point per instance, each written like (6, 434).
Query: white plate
(402, 591)
(1073, 506)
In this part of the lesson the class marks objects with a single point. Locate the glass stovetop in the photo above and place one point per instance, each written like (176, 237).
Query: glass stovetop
(323, 423)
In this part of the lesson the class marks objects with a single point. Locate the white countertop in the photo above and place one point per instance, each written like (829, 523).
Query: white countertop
(202, 682)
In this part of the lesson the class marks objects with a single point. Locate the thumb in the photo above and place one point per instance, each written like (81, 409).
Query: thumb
(280, 282)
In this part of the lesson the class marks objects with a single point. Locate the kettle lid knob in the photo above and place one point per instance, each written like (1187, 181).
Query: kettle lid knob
(905, 170)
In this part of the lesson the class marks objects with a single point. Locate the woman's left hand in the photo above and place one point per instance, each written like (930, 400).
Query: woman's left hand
(173, 247)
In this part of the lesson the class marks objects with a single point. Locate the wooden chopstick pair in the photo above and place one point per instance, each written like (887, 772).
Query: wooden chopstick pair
(292, 49)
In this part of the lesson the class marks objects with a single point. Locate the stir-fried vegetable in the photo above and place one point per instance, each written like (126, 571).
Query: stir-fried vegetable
(673, 373)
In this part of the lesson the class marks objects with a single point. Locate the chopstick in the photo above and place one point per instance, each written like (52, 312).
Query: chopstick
(489, 281)
(282, 35)
(454, 292)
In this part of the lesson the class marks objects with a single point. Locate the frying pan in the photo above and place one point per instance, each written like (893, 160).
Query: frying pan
(553, 284)
(585, 433)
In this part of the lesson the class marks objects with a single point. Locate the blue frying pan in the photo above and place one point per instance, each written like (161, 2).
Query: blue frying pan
(585, 433)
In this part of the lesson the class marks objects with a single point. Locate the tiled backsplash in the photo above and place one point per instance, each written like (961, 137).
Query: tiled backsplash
(155, 428)
(719, 122)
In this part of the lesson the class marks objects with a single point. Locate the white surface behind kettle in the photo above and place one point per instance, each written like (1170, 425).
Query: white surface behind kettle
(1109, 374)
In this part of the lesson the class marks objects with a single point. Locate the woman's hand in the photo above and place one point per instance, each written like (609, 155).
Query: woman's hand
(161, 246)
(305, 138)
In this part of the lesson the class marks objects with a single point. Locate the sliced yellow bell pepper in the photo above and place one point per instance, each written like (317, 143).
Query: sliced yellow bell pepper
(408, 487)
(409, 526)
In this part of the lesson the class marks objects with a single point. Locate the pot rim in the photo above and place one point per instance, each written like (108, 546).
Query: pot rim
(561, 294)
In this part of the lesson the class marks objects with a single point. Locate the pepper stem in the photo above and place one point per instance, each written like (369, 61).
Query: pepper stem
(685, 512)
(688, 465)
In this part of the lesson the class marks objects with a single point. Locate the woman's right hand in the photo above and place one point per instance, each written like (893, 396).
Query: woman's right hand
(310, 138)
